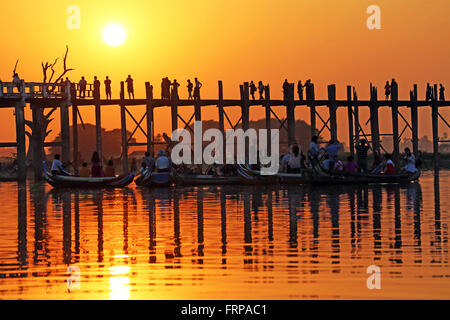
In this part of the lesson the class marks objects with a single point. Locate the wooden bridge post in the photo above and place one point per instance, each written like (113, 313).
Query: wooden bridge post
(356, 114)
(435, 126)
(245, 106)
(20, 139)
(123, 129)
(221, 118)
(394, 109)
(414, 121)
(268, 118)
(312, 109)
(290, 114)
(174, 115)
(350, 121)
(98, 127)
(65, 126)
(332, 109)
(37, 142)
(374, 126)
(150, 119)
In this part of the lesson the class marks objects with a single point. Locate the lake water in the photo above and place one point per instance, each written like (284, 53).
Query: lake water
(236, 242)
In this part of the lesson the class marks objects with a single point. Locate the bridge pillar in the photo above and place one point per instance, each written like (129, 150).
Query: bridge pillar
(268, 118)
(37, 142)
(350, 121)
(374, 126)
(435, 126)
(332, 109)
(150, 118)
(221, 118)
(414, 121)
(123, 129)
(290, 115)
(20, 139)
(395, 138)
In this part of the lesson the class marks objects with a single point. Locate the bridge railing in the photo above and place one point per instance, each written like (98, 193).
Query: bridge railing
(33, 90)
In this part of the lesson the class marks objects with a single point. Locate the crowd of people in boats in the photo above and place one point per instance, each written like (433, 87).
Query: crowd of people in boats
(327, 158)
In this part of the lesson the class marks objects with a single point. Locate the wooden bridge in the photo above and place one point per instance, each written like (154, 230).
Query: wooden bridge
(64, 97)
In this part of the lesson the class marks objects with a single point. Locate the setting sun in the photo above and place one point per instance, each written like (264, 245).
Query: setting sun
(114, 35)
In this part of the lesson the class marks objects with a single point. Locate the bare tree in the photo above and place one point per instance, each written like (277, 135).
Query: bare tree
(38, 129)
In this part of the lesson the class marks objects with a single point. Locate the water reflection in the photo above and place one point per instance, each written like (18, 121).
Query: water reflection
(302, 235)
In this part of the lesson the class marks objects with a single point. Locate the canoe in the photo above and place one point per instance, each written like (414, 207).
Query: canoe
(309, 176)
(154, 179)
(204, 179)
(58, 181)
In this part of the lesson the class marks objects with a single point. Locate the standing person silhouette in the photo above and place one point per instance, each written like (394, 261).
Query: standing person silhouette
(174, 93)
(130, 87)
(441, 92)
(394, 87)
(96, 92)
(261, 90)
(197, 88)
(190, 86)
(300, 90)
(82, 87)
(428, 93)
(16, 81)
(252, 89)
(387, 90)
(285, 89)
(108, 88)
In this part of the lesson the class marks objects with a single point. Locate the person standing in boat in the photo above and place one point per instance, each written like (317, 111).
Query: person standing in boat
(57, 167)
(410, 160)
(162, 163)
(361, 150)
(97, 169)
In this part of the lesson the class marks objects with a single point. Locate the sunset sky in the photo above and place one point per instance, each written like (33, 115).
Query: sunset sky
(233, 41)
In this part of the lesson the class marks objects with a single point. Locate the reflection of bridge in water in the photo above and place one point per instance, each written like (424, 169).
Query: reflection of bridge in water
(310, 233)
(45, 95)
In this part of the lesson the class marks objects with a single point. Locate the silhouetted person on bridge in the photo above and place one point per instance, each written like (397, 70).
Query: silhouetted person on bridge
(252, 89)
(428, 93)
(197, 88)
(16, 81)
(309, 89)
(441, 92)
(387, 90)
(96, 92)
(394, 87)
(285, 90)
(174, 93)
(190, 87)
(108, 88)
(300, 90)
(130, 87)
(261, 90)
(165, 88)
(82, 87)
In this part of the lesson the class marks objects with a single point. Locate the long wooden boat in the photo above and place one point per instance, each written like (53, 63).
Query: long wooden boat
(59, 181)
(154, 179)
(310, 176)
(204, 179)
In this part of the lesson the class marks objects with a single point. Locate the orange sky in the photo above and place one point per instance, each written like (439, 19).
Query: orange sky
(234, 41)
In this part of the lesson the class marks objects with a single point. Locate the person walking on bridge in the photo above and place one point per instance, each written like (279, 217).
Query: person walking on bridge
(130, 87)
(96, 92)
(261, 90)
(252, 89)
(198, 86)
(441, 92)
(174, 93)
(387, 90)
(300, 90)
(108, 88)
(190, 87)
(82, 87)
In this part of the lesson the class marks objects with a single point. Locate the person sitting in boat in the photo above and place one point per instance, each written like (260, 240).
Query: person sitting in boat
(110, 171)
(327, 164)
(97, 169)
(162, 164)
(148, 162)
(285, 159)
(338, 165)
(389, 167)
(295, 161)
(314, 150)
(333, 149)
(410, 162)
(350, 165)
(377, 165)
(361, 150)
(57, 167)
(84, 171)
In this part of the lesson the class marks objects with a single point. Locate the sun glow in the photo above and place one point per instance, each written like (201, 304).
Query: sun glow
(114, 35)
